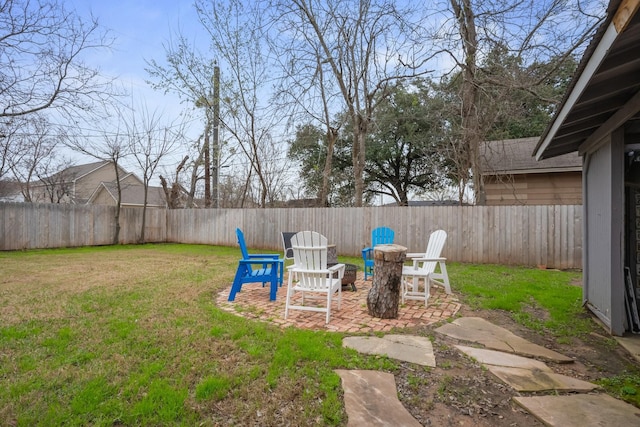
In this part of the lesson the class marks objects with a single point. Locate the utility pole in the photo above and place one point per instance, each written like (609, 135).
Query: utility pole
(207, 162)
(215, 165)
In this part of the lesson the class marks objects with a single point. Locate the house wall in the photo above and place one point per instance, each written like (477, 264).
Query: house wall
(103, 198)
(561, 188)
(85, 186)
(603, 285)
(130, 179)
(41, 194)
(80, 190)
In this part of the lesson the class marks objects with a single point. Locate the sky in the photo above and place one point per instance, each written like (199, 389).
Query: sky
(139, 29)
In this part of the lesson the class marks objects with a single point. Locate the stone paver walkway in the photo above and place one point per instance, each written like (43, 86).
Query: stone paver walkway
(528, 375)
(371, 396)
(481, 331)
(523, 374)
(371, 399)
(581, 410)
(253, 302)
(407, 348)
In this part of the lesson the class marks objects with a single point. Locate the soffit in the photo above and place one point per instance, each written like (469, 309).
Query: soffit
(612, 86)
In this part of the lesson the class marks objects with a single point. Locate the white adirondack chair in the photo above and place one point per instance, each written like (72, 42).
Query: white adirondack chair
(417, 278)
(313, 279)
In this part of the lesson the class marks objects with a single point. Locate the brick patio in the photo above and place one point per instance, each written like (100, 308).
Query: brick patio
(253, 303)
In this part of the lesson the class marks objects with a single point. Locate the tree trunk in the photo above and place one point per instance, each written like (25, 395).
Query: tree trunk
(144, 210)
(360, 129)
(471, 133)
(116, 232)
(332, 136)
(194, 177)
(384, 296)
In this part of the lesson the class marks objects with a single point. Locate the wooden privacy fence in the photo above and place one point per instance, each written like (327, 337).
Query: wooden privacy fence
(36, 225)
(517, 235)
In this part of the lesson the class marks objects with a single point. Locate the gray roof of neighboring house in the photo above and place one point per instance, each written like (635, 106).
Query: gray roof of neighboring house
(513, 156)
(74, 172)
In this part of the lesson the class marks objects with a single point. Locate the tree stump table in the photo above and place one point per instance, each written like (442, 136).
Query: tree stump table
(384, 297)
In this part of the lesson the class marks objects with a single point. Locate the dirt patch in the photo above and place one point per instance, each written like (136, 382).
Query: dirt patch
(576, 281)
(459, 392)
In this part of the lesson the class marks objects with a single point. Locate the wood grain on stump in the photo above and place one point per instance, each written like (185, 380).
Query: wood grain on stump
(384, 297)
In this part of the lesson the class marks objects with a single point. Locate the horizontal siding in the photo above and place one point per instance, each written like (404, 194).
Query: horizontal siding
(532, 189)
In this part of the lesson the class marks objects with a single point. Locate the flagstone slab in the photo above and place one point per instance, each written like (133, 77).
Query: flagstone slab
(580, 410)
(499, 358)
(481, 331)
(631, 343)
(530, 380)
(407, 348)
(371, 399)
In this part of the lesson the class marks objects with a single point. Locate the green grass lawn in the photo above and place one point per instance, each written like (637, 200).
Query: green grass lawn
(130, 335)
(548, 301)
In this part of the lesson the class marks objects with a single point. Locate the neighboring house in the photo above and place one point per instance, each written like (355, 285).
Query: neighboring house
(512, 176)
(94, 183)
(132, 191)
(10, 191)
(600, 119)
(74, 184)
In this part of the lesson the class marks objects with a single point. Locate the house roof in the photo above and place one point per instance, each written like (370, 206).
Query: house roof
(513, 156)
(132, 195)
(131, 175)
(73, 173)
(605, 91)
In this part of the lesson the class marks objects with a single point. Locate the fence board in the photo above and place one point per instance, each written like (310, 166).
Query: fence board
(520, 235)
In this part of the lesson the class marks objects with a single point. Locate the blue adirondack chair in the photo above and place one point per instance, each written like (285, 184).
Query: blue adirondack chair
(379, 236)
(257, 268)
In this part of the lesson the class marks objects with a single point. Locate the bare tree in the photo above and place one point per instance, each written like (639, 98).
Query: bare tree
(43, 79)
(56, 181)
(28, 150)
(173, 190)
(189, 74)
(112, 146)
(34, 149)
(308, 92)
(9, 189)
(238, 36)
(181, 192)
(10, 134)
(231, 191)
(365, 45)
(542, 36)
(150, 140)
(41, 46)
(195, 172)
